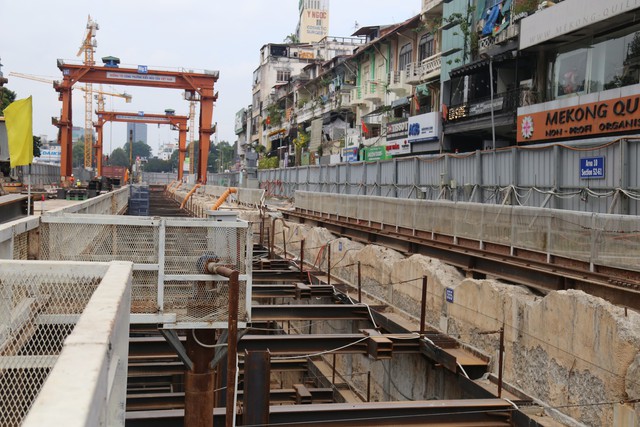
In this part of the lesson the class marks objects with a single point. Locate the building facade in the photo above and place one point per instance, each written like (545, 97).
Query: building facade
(137, 131)
(313, 25)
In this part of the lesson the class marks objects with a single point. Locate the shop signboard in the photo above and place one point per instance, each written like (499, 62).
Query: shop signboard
(350, 154)
(583, 120)
(424, 127)
(372, 154)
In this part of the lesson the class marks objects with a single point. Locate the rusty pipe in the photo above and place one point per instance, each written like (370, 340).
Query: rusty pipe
(232, 341)
(222, 198)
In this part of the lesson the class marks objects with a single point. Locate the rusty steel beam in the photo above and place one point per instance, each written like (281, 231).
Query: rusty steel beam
(148, 347)
(470, 412)
(309, 312)
(175, 400)
(297, 290)
(274, 276)
(255, 398)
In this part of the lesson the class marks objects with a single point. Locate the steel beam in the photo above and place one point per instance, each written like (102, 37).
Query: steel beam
(469, 412)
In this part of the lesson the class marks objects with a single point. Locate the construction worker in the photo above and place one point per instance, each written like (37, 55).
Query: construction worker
(78, 183)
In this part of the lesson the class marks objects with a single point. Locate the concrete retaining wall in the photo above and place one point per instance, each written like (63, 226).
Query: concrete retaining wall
(570, 350)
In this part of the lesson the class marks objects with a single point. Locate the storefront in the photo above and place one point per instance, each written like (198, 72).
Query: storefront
(424, 132)
(397, 138)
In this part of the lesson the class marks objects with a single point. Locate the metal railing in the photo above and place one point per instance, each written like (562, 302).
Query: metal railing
(599, 239)
(168, 284)
(64, 330)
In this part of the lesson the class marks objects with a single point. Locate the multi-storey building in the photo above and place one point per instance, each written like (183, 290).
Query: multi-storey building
(586, 81)
(137, 131)
(313, 25)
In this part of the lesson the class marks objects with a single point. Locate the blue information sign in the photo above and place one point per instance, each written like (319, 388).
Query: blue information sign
(449, 294)
(592, 167)
(142, 69)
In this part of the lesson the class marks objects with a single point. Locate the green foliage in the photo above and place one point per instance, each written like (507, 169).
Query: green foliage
(275, 115)
(291, 38)
(269, 163)
(302, 141)
(77, 154)
(157, 165)
(464, 22)
(6, 97)
(140, 149)
(118, 157)
(520, 6)
(37, 144)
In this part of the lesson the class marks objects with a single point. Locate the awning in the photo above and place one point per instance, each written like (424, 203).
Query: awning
(378, 111)
(477, 66)
(401, 102)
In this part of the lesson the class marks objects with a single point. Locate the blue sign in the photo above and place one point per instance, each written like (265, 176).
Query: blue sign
(592, 168)
(141, 113)
(449, 294)
(142, 69)
(340, 246)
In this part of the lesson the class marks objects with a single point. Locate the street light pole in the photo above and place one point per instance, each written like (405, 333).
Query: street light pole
(493, 124)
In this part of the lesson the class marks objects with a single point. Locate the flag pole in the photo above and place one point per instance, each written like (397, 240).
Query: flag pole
(29, 191)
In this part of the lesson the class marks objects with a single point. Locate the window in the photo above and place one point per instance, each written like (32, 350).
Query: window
(426, 48)
(283, 75)
(596, 64)
(405, 56)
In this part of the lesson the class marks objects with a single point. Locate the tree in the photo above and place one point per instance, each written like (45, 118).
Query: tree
(37, 144)
(119, 157)
(6, 97)
(77, 153)
(140, 149)
(157, 165)
(291, 38)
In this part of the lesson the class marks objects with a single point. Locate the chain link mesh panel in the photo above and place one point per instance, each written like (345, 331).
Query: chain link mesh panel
(144, 292)
(188, 244)
(37, 312)
(21, 246)
(185, 246)
(100, 242)
(202, 301)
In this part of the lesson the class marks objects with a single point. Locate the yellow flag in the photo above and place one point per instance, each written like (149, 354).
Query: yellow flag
(19, 120)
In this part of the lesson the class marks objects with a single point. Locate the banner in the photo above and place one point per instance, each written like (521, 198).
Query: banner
(19, 120)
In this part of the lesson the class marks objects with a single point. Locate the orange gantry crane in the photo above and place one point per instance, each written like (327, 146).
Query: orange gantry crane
(177, 122)
(89, 43)
(200, 83)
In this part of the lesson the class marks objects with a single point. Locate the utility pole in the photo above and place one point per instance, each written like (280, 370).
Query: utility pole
(131, 156)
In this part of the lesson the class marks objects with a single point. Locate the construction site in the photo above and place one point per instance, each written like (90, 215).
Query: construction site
(323, 311)
(191, 304)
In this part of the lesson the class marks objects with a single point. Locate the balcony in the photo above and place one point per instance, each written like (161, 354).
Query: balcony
(428, 68)
(486, 44)
(427, 5)
(396, 83)
(374, 91)
(357, 96)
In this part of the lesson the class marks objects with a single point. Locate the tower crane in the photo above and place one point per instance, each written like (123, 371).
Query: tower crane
(87, 47)
(193, 99)
(100, 93)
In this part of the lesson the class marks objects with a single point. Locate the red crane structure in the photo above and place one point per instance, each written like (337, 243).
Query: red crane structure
(178, 122)
(201, 83)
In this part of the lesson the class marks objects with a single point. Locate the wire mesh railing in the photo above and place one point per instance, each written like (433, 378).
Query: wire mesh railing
(599, 239)
(169, 284)
(41, 303)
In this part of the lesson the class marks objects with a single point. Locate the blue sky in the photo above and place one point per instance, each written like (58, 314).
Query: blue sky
(191, 34)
